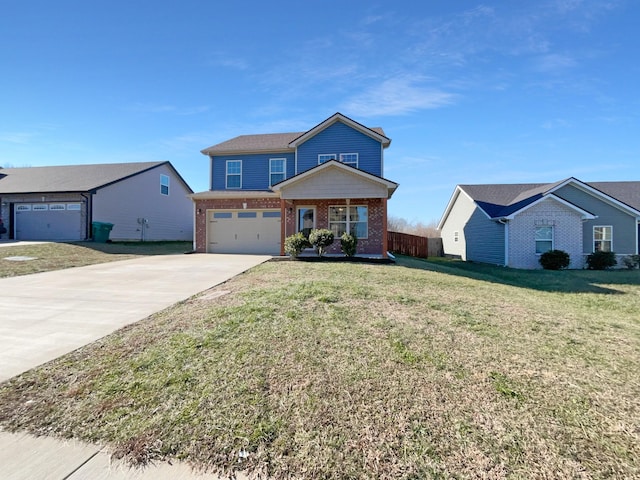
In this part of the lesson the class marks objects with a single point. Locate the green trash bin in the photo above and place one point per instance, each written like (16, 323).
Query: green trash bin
(101, 231)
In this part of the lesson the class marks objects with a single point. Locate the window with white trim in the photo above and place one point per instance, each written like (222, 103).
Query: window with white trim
(349, 218)
(544, 238)
(349, 159)
(603, 238)
(456, 236)
(164, 184)
(234, 174)
(325, 157)
(277, 170)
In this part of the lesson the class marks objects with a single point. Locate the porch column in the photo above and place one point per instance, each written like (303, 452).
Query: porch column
(283, 225)
(385, 235)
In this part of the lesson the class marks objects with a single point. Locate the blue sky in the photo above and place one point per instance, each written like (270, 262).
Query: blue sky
(469, 92)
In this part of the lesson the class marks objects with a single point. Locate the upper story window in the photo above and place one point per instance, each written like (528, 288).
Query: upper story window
(234, 174)
(164, 184)
(349, 159)
(603, 239)
(325, 157)
(277, 170)
(544, 239)
(456, 236)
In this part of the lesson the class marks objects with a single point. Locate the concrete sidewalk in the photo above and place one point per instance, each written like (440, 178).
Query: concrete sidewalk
(45, 315)
(25, 457)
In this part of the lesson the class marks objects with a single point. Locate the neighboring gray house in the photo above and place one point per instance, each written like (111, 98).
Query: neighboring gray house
(513, 224)
(144, 201)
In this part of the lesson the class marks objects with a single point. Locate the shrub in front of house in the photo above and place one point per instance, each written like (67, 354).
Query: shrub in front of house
(631, 261)
(295, 244)
(555, 260)
(348, 244)
(321, 238)
(601, 260)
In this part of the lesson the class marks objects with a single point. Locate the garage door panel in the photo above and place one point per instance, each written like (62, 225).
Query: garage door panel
(244, 231)
(48, 221)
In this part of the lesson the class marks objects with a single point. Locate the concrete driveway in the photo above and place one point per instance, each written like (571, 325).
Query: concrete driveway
(45, 315)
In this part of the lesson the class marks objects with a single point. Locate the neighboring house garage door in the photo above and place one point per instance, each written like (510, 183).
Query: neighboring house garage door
(244, 231)
(48, 221)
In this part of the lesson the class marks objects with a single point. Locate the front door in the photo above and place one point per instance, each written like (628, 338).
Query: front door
(306, 220)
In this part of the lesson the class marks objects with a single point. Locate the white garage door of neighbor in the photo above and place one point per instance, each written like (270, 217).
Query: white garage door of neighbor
(48, 221)
(244, 231)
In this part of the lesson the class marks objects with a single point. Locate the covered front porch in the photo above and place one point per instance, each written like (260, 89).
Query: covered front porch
(339, 198)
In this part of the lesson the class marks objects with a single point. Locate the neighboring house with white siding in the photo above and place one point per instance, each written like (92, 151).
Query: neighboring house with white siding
(266, 187)
(513, 224)
(144, 201)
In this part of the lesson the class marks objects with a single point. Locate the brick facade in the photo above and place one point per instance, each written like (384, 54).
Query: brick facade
(567, 234)
(202, 205)
(375, 244)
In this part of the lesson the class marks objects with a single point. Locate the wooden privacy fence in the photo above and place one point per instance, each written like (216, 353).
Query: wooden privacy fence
(414, 246)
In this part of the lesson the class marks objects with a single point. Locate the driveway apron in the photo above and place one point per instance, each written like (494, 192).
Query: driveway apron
(45, 315)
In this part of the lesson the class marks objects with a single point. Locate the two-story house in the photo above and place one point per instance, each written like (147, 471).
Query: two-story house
(266, 187)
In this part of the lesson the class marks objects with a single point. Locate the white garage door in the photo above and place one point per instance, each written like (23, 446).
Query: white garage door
(48, 221)
(244, 231)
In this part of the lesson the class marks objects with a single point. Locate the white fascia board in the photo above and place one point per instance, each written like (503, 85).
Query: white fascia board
(334, 164)
(385, 141)
(447, 210)
(597, 193)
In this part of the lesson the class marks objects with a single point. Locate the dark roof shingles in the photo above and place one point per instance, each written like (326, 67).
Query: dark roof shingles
(68, 178)
(501, 200)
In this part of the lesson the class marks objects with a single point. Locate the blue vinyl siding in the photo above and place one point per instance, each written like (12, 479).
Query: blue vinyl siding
(255, 170)
(340, 138)
(485, 239)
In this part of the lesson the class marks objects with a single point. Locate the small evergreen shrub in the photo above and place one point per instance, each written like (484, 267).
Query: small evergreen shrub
(601, 260)
(321, 238)
(631, 261)
(555, 260)
(295, 244)
(348, 244)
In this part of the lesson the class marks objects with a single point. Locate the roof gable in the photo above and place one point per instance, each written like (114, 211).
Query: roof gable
(72, 178)
(337, 166)
(375, 133)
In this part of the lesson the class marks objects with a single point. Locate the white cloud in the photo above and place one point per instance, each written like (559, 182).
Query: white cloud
(397, 96)
(554, 62)
(16, 137)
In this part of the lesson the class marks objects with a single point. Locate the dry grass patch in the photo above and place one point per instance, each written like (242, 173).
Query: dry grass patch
(320, 370)
(57, 256)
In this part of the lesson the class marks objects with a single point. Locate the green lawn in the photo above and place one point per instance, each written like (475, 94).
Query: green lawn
(336, 370)
(56, 256)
